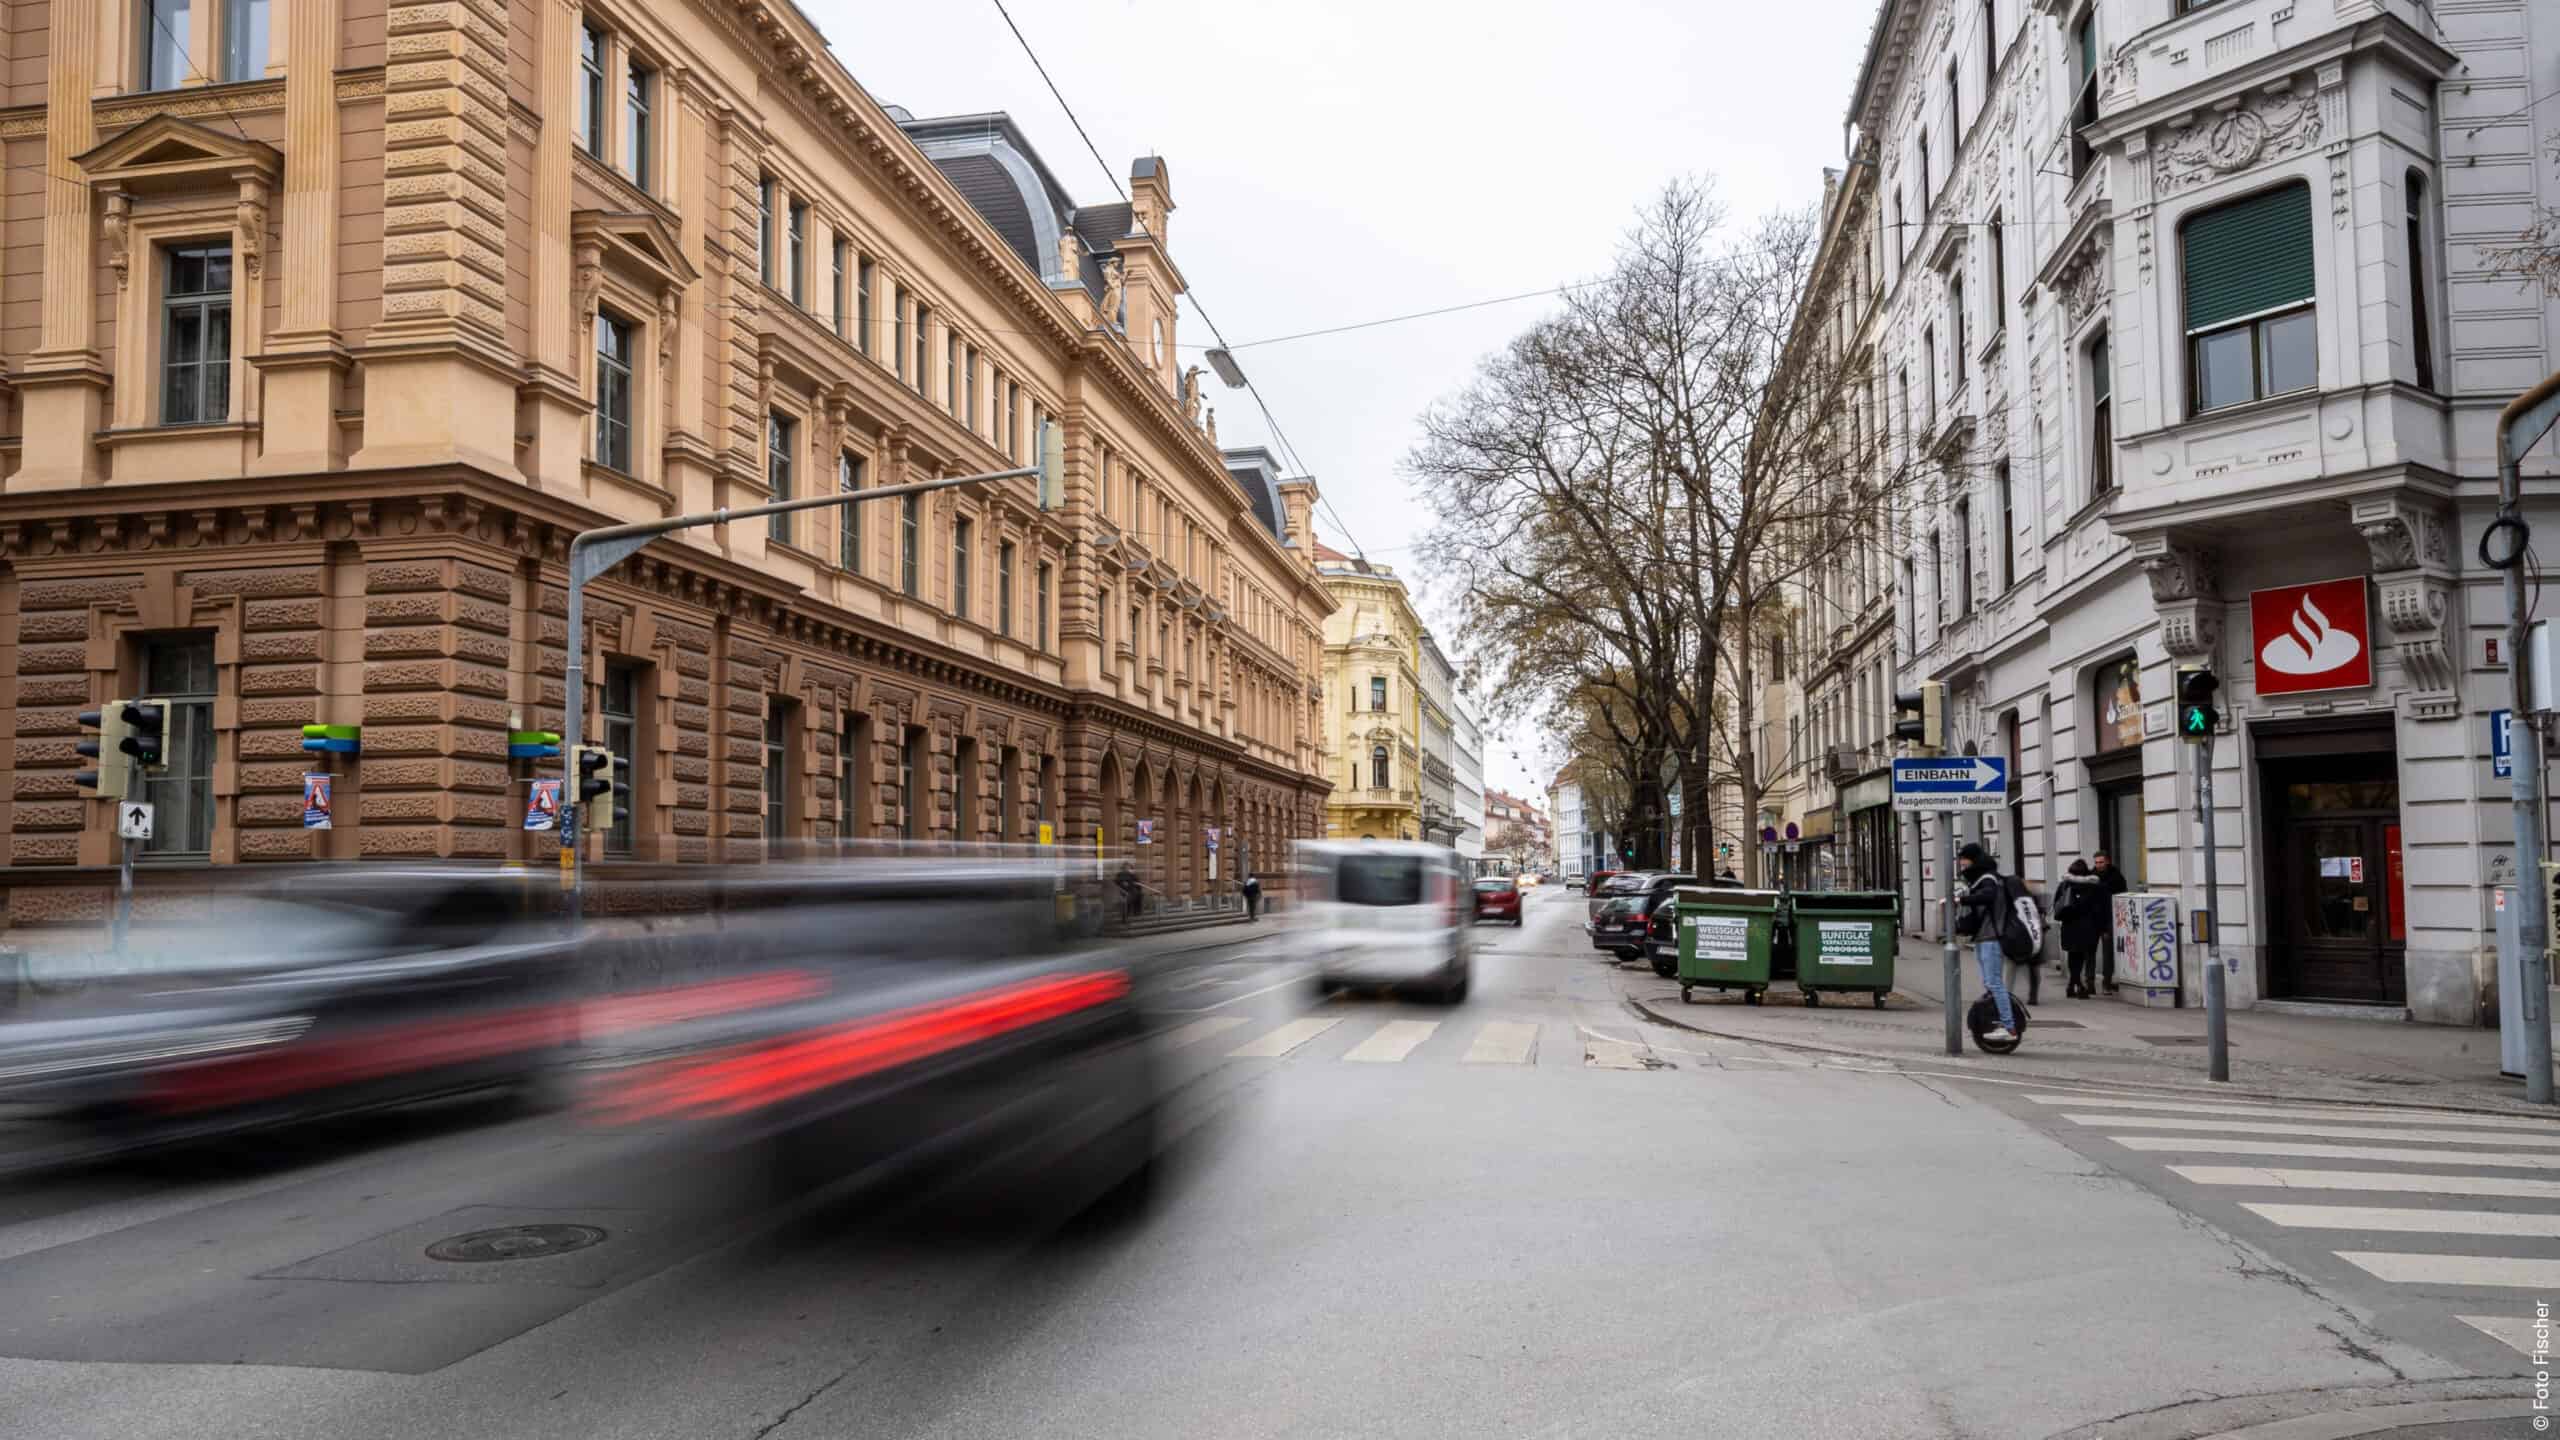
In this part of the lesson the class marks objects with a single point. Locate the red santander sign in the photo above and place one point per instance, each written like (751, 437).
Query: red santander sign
(2311, 637)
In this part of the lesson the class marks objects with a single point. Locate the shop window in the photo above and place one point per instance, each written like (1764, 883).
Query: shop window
(195, 354)
(2252, 330)
(2118, 702)
(178, 672)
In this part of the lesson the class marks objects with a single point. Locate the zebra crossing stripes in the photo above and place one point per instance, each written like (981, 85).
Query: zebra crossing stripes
(2217, 1145)
(1504, 1042)
(2401, 1182)
(2546, 1141)
(1393, 1041)
(1353, 1040)
(1285, 1039)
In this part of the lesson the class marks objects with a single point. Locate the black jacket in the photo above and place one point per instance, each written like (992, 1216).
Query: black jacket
(2082, 904)
(2116, 884)
(1978, 910)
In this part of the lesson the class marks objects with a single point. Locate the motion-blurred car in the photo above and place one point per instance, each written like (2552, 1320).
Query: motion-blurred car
(1620, 927)
(1616, 883)
(345, 989)
(1498, 898)
(1591, 883)
(1384, 913)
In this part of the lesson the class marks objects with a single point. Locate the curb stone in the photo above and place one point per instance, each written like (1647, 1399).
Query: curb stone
(2373, 1412)
(1966, 1062)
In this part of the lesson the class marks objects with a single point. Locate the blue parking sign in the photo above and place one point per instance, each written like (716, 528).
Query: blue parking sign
(2502, 742)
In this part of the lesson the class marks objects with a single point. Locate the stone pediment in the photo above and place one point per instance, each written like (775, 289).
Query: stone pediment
(168, 153)
(640, 238)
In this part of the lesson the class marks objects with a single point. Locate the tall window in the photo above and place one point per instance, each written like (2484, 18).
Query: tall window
(1955, 323)
(178, 672)
(613, 391)
(2251, 328)
(195, 353)
(1964, 557)
(622, 737)
(836, 295)
(1999, 263)
(911, 787)
(864, 272)
(1990, 48)
(779, 433)
(924, 328)
(591, 90)
(1937, 575)
(1911, 606)
(799, 257)
(244, 39)
(898, 337)
(1377, 692)
(910, 522)
(1902, 405)
(965, 781)
(2102, 417)
(1008, 397)
(1901, 227)
(639, 95)
(764, 228)
(951, 372)
(2084, 105)
(960, 537)
(1004, 588)
(854, 794)
(1929, 377)
(1955, 100)
(1040, 589)
(969, 367)
(2421, 327)
(1925, 177)
(777, 788)
(1378, 766)
(2002, 490)
(849, 478)
(164, 44)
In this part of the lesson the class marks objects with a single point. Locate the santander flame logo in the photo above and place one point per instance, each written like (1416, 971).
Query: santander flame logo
(2310, 645)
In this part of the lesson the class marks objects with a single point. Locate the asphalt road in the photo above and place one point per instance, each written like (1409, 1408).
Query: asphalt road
(1524, 1215)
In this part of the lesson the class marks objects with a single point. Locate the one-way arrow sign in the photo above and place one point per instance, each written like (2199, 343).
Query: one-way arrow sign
(133, 821)
(1958, 782)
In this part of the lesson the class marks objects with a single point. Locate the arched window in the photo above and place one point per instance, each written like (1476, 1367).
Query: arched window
(1378, 766)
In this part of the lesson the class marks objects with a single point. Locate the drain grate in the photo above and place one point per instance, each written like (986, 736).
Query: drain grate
(514, 1242)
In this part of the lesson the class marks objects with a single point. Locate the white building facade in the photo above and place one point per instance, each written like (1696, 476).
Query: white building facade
(2186, 309)
(1440, 824)
(1467, 741)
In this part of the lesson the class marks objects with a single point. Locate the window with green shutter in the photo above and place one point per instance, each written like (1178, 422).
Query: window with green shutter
(2247, 271)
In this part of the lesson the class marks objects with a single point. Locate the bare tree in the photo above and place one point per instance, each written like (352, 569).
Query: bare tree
(2535, 255)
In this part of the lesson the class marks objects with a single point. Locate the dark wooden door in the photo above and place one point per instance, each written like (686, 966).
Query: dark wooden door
(2333, 904)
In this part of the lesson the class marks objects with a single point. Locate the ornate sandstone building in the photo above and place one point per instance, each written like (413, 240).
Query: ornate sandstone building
(327, 325)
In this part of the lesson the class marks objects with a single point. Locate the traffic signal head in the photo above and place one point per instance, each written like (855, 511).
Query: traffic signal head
(603, 786)
(106, 780)
(1920, 718)
(1052, 445)
(2198, 716)
(145, 724)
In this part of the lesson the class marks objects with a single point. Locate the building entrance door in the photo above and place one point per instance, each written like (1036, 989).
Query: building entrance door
(2335, 919)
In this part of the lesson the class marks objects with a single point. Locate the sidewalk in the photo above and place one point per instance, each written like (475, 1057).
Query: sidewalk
(2106, 1039)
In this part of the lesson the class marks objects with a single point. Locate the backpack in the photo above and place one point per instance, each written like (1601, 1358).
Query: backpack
(2022, 928)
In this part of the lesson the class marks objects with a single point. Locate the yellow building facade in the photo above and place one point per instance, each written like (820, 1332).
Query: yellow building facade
(1373, 698)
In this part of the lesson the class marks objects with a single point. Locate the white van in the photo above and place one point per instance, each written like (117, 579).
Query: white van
(1384, 912)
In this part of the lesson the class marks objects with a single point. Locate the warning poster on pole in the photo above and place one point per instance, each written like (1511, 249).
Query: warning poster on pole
(542, 812)
(315, 802)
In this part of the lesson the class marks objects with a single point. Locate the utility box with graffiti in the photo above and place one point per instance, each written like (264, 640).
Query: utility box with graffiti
(2146, 937)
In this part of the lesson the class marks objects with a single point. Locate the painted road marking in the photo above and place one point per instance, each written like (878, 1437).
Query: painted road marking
(2503, 1272)
(2513, 1330)
(2387, 1180)
(2450, 1119)
(2331, 1132)
(1504, 1042)
(2495, 1159)
(1199, 1030)
(1289, 1037)
(2418, 1222)
(1394, 1041)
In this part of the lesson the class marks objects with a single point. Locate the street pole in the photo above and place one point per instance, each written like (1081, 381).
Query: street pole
(2216, 1041)
(2521, 426)
(123, 922)
(1951, 968)
(593, 552)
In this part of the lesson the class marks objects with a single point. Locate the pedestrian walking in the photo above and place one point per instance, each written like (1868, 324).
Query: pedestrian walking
(2082, 906)
(2032, 965)
(1127, 880)
(1252, 896)
(1982, 904)
(2115, 883)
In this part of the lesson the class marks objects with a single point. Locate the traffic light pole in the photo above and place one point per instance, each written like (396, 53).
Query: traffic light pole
(2521, 426)
(1951, 967)
(593, 552)
(2216, 1010)
(123, 923)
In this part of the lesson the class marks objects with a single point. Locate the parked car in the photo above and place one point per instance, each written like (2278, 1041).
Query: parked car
(1662, 940)
(1626, 918)
(1384, 913)
(1591, 884)
(1498, 898)
(1620, 882)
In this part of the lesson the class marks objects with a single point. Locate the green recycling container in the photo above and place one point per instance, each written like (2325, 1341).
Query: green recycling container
(1844, 941)
(1730, 939)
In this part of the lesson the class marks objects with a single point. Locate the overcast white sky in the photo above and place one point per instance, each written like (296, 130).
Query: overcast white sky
(1336, 161)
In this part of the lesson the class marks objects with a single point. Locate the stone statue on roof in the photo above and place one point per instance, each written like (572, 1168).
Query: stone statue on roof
(1115, 286)
(1191, 394)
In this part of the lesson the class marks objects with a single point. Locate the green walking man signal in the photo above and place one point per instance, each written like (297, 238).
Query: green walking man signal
(2198, 717)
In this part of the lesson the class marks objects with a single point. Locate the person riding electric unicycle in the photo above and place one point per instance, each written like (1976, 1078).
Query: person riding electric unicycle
(1992, 919)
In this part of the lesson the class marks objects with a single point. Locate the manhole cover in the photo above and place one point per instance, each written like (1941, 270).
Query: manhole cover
(514, 1242)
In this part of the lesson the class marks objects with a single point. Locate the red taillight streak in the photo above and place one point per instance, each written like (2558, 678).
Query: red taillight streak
(370, 1055)
(763, 1074)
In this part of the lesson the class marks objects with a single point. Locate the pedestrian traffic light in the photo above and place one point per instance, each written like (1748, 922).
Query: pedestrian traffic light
(107, 780)
(1920, 718)
(603, 787)
(145, 722)
(2198, 716)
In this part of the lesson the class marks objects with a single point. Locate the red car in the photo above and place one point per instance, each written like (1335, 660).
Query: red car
(1498, 898)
